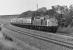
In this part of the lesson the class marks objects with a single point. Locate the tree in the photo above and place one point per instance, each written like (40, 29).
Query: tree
(64, 17)
(60, 9)
(27, 14)
(43, 9)
(71, 7)
(51, 12)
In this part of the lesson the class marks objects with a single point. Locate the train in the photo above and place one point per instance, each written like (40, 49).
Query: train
(37, 23)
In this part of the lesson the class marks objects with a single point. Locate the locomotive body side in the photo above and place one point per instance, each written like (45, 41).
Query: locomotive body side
(37, 21)
(27, 21)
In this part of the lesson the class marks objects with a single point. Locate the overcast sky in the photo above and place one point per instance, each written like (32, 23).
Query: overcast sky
(19, 6)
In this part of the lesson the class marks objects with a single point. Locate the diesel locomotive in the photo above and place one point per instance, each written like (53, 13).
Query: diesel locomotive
(37, 23)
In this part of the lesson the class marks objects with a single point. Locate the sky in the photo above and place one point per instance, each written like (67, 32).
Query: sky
(9, 7)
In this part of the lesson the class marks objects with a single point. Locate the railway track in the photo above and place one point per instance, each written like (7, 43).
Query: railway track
(65, 41)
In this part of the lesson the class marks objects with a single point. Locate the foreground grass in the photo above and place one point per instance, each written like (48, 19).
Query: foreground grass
(2, 47)
(6, 43)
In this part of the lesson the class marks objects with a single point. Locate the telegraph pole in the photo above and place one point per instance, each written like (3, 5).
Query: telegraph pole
(37, 4)
(36, 7)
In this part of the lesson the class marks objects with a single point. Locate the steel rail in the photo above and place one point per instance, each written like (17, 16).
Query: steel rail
(69, 45)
